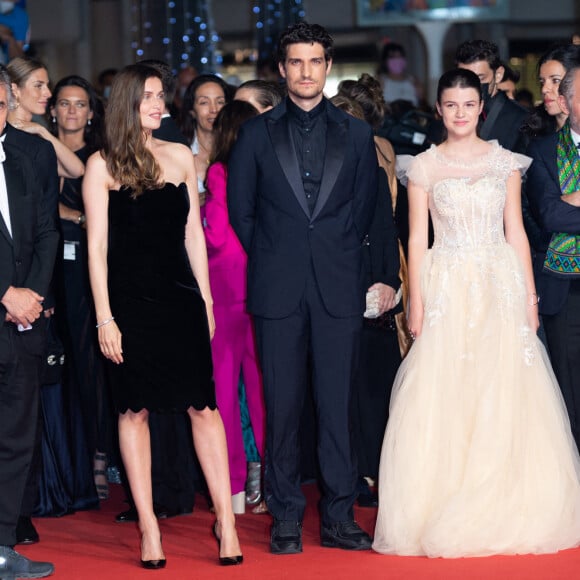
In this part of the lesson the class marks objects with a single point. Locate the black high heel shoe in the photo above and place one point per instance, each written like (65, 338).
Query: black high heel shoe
(153, 564)
(226, 560)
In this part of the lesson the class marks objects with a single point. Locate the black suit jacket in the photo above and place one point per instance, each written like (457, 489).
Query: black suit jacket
(169, 131)
(44, 165)
(270, 215)
(553, 214)
(381, 260)
(506, 125)
(26, 257)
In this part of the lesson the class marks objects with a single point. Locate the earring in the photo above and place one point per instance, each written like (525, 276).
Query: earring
(54, 120)
(89, 122)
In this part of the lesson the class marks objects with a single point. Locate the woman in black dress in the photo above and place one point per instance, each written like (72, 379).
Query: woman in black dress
(149, 277)
(77, 119)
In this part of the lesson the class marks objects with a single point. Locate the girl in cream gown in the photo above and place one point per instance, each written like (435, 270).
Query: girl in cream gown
(478, 457)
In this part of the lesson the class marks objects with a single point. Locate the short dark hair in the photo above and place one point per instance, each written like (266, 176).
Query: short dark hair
(268, 93)
(510, 74)
(305, 33)
(566, 87)
(472, 51)
(458, 77)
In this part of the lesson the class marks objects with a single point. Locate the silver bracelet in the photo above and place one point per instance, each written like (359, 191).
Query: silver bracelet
(532, 303)
(105, 322)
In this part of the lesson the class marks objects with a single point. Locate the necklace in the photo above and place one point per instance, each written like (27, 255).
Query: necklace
(202, 146)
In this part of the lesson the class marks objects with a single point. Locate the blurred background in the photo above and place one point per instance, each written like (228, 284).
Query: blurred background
(236, 37)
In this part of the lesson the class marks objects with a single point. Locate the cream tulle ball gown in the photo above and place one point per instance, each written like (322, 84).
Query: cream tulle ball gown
(478, 457)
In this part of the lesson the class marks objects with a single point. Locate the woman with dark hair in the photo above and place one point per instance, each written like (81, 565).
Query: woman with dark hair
(77, 120)
(264, 95)
(153, 304)
(549, 117)
(478, 457)
(203, 100)
(233, 346)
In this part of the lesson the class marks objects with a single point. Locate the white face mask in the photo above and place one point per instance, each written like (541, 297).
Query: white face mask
(6, 7)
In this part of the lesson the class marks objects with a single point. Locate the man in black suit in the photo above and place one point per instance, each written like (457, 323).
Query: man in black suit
(43, 157)
(301, 191)
(28, 244)
(553, 187)
(501, 117)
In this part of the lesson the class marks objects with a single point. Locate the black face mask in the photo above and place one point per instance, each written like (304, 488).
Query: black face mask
(485, 94)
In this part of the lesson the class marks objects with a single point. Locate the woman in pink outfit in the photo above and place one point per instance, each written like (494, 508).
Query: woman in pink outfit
(233, 346)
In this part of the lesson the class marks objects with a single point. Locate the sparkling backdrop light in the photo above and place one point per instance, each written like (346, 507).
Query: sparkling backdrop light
(180, 32)
(271, 17)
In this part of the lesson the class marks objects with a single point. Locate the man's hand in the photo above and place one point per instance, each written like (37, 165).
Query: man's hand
(23, 305)
(572, 198)
(386, 296)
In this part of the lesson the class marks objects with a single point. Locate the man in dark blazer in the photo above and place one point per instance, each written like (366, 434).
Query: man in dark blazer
(501, 117)
(301, 191)
(557, 208)
(43, 157)
(28, 245)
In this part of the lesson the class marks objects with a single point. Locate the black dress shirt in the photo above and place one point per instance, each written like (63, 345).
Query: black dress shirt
(308, 131)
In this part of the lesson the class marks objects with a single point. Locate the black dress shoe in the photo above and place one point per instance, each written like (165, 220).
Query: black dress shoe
(345, 535)
(368, 500)
(26, 532)
(14, 565)
(286, 537)
(366, 497)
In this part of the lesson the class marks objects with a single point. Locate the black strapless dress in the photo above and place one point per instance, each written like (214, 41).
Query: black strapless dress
(157, 305)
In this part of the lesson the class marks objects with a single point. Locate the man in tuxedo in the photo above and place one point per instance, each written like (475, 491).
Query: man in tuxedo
(553, 187)
(501, 117)
(43, 157)
(302, 184)
(28, 245)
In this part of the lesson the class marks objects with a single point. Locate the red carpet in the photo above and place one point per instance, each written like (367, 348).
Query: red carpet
(91, 546)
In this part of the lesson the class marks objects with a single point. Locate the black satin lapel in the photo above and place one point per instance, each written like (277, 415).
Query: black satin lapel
(3, 227)
(284, 149)
(336, 133)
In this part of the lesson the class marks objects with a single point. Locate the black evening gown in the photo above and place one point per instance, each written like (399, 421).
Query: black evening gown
(75, 417)
(157, 305)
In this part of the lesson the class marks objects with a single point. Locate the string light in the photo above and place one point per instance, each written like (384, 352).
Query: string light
(271, 17)
(181, 32)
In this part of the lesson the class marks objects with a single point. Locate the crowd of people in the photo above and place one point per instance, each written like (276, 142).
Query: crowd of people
(214, 259)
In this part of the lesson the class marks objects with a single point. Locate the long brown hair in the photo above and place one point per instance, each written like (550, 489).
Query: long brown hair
(226, 127)
(128, 160)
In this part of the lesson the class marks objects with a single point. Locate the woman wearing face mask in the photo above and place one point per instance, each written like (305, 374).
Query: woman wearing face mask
(397, 83)
(30, 85)
(203, 100)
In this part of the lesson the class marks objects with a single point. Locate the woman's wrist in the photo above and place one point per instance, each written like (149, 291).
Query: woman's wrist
(533, 299)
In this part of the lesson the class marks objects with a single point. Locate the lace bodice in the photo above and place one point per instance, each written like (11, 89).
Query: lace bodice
(466, 200)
